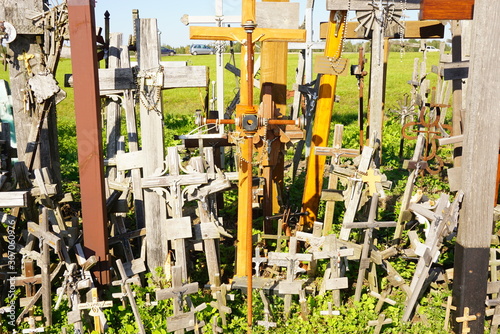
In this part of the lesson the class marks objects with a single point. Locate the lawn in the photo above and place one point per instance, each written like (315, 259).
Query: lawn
(179, 107)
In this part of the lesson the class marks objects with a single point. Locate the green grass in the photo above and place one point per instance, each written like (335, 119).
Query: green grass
(179, 107)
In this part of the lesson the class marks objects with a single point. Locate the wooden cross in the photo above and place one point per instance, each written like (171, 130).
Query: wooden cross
(330, 311)
(95, 306)
(219, 291)
(126, 285)
(258, 260)
(405, 201)
(291, 261)
(365, 255)
(332, 279)
(250, 33)
(267, 322)
(175, 200)
(208, 229)
(180, 294)
(381, 321)
(464, 320)
(336, 152)
(33, 328)
(443, 220)
(382, 298)
(357, 185)
(314, 241)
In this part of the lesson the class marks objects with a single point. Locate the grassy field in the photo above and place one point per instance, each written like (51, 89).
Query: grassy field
(179, 107)
(187, 100)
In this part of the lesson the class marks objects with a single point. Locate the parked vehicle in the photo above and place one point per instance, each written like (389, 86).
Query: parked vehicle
(167, 51)
(201, 49)
(430, 48)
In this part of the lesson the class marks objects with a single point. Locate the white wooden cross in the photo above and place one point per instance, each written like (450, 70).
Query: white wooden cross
(258, 260)
(309, 44)
(267, 322)
(291, 261)
(332, 279)
(365, 255)
(443, 220)
(330, 311)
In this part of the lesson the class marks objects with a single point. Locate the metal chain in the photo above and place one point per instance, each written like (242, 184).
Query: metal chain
(337, 57)
(150, 98)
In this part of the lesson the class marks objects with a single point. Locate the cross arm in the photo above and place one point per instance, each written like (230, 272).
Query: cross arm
(238, 34)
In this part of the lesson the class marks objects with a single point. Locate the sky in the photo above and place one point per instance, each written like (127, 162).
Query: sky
(169, 13)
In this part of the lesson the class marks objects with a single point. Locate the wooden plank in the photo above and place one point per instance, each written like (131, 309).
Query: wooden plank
(365, 5)
(456, 70)
(321, 127)
(232, 34)
(185, 77)
(116, 79)
(413, 29)
(152, 145)
(447, 10)
(13, 199)
(277, 15)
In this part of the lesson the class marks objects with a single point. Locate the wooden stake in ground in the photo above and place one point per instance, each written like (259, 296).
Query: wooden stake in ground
(481, 144)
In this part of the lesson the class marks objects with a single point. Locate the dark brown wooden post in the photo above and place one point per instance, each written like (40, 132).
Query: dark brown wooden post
(479, 168)
(88, 132)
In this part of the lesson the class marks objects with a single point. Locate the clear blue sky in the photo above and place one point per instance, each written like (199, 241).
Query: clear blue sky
(168, 13)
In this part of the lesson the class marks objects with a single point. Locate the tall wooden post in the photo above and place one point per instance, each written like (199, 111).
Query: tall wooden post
(376, 95)
(88, 130)
(273, 69)
(479, 168)
(321, 128)
(152, 139)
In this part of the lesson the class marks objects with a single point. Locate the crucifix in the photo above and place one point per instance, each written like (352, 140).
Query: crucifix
(180, 293)
(333, 278)
(170, 185)
(247, 122)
